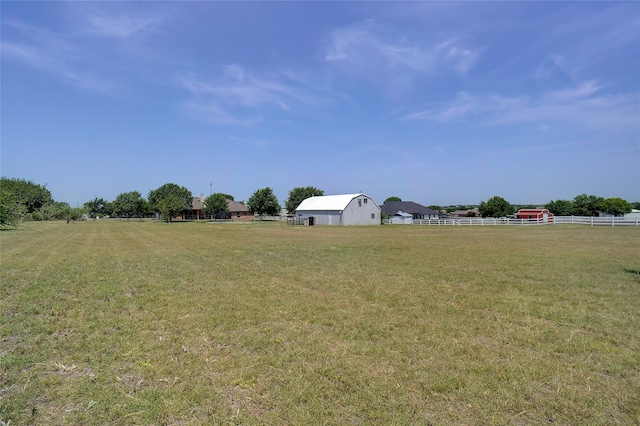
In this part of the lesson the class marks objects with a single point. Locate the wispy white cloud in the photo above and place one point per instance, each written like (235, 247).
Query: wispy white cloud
(361, 46)
(58, 59)
(284, 106)
(554, 67)
(461, 108)
(571, 94)
(238, 91)
(531, 148)
(446, 115)
(239, 87)
(577, 42)
(608, 28)
(583, 105)
(121, 26)
(365, 46)
(212, 113)
(257, 142)
(461, 59)
(345, 42)
(66, 53)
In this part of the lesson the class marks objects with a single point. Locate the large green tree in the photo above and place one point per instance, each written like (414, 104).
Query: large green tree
(58, 210)
(392, 198)
(129, 204)
(97, 207)
(495, 207)
(8, 209)
(263, 202)
(559, 207)
(298, 195)
(616, 206)
(216, 204)
(28, 196)
(170, 199)
(143, 208)
(586, 205)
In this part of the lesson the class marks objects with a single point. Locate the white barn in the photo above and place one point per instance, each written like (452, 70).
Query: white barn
(341, 210)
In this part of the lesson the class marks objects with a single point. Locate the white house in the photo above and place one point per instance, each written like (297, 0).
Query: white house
(406, 211)
(634, 215)
(401, 218)
(342, 210)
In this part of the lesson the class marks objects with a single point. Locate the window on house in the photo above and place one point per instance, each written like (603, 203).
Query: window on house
(373, 215)
(359, 203)
(365, 201)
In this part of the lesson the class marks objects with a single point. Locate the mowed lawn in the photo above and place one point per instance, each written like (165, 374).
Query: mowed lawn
(119, 323)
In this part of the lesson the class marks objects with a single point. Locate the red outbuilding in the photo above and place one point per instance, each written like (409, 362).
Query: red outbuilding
(539, 214)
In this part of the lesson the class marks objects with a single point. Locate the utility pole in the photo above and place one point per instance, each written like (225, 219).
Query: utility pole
(210, 188)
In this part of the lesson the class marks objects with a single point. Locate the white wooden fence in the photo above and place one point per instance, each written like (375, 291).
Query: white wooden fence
(556, 220)
(268, 218)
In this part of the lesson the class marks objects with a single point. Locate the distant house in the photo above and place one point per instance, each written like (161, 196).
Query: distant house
(400, 209)
(401, 218)
(539, 214)
(341, 210)
(239, 210)
(196, 212)
(197, 208)
(634, 215)
(467, 213)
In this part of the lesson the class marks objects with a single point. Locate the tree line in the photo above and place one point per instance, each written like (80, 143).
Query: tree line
(581, 205)
(21, 199)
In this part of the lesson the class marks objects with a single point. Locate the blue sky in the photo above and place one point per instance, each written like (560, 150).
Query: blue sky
(435, 102)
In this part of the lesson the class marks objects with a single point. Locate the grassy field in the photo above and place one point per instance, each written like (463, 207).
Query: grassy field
(118, 323)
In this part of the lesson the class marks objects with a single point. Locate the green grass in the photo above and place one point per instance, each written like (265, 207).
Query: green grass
(124, 323)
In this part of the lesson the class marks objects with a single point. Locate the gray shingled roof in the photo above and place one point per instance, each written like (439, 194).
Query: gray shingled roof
(234, 206)
(392, 207)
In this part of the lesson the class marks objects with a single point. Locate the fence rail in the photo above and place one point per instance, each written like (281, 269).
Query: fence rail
(268, 218)
(556, 220)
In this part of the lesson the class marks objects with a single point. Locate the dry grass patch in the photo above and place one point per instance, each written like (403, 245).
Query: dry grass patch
(153, 323)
